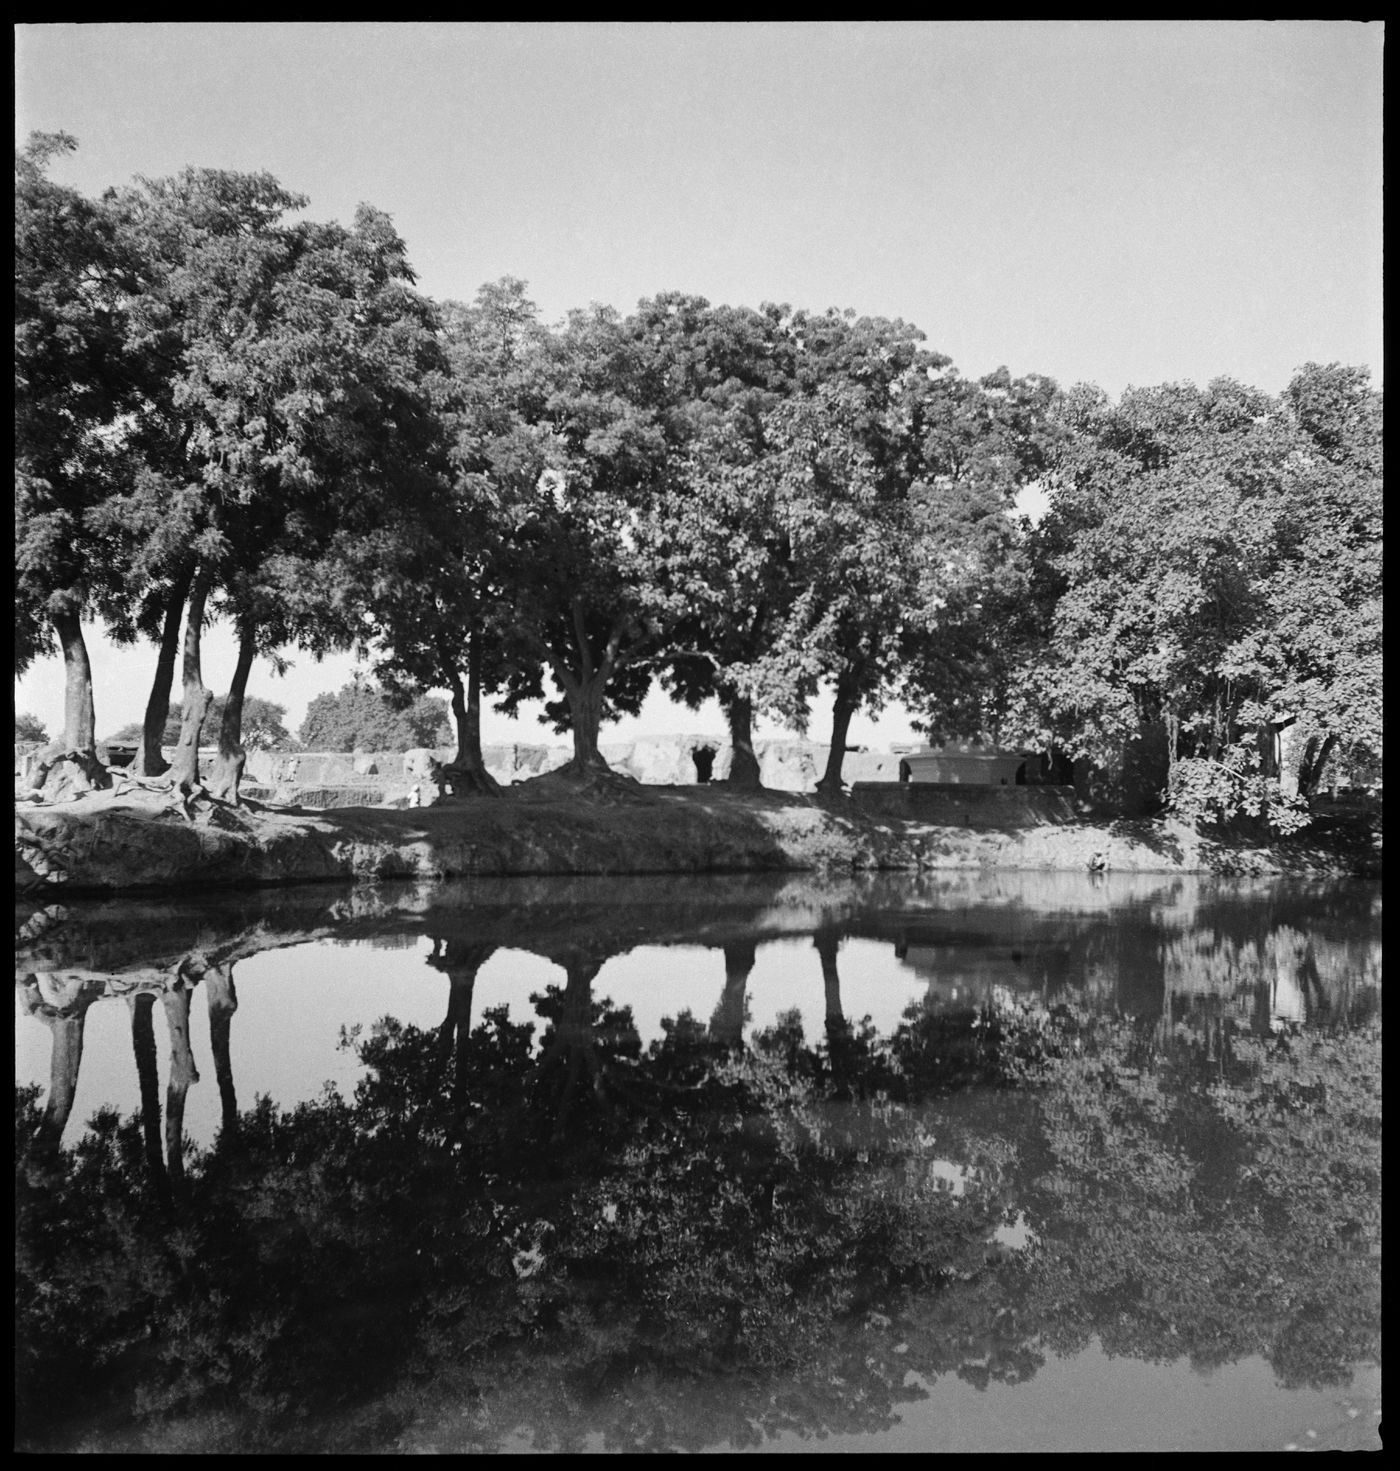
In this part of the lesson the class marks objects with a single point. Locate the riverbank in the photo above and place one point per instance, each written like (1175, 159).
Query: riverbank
(143, 841)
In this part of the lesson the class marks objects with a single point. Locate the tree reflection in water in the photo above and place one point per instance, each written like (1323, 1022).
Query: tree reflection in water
(548, 1229)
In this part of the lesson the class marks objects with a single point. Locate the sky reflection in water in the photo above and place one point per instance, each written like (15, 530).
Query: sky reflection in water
(1161, 1147)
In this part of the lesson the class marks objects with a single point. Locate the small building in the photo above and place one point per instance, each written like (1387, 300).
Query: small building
(965, 765)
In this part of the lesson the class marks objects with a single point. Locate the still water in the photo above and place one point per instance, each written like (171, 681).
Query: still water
(959, 1162)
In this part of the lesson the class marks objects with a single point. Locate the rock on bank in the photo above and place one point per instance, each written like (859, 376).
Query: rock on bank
(138, 841)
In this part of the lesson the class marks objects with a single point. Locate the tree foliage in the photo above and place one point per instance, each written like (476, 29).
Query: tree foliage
(30, 728)
(361, 716)
(1210, 565)
(263, 728)
(293, 410)
(434, 587)
(73, 390)
(224, 410)
(748, 1231)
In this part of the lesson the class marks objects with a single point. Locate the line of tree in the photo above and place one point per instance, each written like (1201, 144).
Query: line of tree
(30, 728)
(361, 717)
(263, 728)
(225, 411)
(357, 717)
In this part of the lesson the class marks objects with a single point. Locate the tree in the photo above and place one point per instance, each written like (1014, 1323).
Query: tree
(263, 728)
(896, 480)
(847, 524)
(373, 451)
(719, 564)
(983, 442)
(210, 245)
(574, 567)
(435, 587)
(291, 413)
(1207, 566)
(361, 716)
(72, 392)
(1327, 595)
(30, 728)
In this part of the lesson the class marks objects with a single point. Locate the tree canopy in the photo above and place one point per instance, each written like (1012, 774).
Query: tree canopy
(227, 410)
(74, 386)
(361, 716)
(263, 728)
(1210, 565)
(30, 728)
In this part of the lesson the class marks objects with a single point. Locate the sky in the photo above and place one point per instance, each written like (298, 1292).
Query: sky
(1120, 202)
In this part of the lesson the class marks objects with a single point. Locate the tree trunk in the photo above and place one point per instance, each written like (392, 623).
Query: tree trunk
(184, 769)
(73, 768)
(573, 1050)
(182, 1073)
(65, 1061)
(65, 1024)
(727, 1024)
(223, 1002)
(79, 716)
(1266, 742)
(467, 771)
(585, 682)
(845, 706)
(460, 962)
(828, 943)
(1313, 764)
(838, 1029)
(1174, 754)
(744, 772)
(150, 760)
(233, 757)
(143, 1046)
(585, 698)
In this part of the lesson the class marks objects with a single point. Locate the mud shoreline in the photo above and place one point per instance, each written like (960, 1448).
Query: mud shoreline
(141, 842)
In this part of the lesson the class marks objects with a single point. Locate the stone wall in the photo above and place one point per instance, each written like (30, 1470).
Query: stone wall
(333, 778)
(378, 778)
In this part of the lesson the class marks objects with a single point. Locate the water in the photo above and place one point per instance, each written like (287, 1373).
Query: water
(966, 1162)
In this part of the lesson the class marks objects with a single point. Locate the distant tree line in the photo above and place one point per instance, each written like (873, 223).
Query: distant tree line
(222, 411)
(358, 717)
(262, 725)
(30, 728)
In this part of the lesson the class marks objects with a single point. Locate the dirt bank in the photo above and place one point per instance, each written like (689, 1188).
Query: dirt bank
(139, 841)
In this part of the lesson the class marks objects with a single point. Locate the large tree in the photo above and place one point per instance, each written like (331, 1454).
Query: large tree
(896, 483)
(575, 567)
(719, 562)
(983, 442)
(1210, 565)
(1326, 595)
(73, 392)
(434, 585)
(361, 716)
(292, 411)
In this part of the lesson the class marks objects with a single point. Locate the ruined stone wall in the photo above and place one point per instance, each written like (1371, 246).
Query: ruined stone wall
(387, 778)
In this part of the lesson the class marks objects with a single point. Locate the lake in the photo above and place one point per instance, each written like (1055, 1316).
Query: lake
(1001, 1161)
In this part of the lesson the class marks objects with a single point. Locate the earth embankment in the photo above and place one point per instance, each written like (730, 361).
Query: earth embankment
(140, 841)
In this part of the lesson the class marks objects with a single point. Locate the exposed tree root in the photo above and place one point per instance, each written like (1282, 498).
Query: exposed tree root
(470, 781)
(61, 774)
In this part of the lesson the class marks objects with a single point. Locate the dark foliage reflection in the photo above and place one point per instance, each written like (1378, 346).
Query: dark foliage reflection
(551, 1230)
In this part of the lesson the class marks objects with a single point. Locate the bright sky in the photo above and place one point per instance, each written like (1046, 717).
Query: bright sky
(1121, 202)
